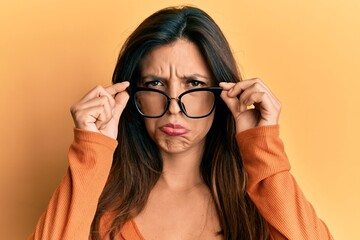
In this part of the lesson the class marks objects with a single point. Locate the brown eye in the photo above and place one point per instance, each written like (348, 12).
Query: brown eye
(154, 83)
(195, 83)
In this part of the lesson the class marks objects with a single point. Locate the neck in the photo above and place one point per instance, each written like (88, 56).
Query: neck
(181, 171)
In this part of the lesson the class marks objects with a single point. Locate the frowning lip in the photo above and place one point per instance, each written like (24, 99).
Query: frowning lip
(174, 129)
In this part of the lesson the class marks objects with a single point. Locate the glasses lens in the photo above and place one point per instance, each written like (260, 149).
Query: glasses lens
(151, 104)
(198, 103)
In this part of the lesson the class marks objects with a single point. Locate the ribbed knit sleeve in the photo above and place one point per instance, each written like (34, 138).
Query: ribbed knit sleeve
(72, 207)
(274, 190)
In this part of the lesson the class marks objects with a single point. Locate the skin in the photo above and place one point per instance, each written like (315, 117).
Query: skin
(100, 109)
(256, 106)
(165, 68)
(180, 191)
(180, 205)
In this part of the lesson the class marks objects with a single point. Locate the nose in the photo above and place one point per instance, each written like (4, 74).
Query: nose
(174, 107)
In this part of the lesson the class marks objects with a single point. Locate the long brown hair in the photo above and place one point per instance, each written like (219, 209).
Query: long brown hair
(137, 163)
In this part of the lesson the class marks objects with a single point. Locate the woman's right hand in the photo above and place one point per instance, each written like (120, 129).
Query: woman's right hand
(101, 108)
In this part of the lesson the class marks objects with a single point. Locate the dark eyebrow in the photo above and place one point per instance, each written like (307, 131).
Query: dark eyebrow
(191, 76)
(153, 77)
(195, 75)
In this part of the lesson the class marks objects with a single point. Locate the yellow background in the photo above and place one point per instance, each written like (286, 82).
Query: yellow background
(308, 52)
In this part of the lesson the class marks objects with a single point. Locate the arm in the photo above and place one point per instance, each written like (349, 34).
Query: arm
(274, 190)
(73, 205)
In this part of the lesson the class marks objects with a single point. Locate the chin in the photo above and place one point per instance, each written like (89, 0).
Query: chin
(171, 145)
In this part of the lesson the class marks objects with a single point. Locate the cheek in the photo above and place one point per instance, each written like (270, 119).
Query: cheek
(209, 122)
(201, 127)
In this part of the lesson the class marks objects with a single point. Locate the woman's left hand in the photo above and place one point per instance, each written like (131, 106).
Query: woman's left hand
(251, 103)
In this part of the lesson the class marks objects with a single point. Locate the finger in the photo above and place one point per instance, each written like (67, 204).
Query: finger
(238, 88)
(258, 98)
(97, 101)
(235, 89)
(269, 112)
(100, 103)
(255, 88)
(96, 116)
(231, 94)
(121, 100)
(265, 87)
(86, 118)
(108, 91)
(231, 102)
(259, 87)
(104, 117)
(227, 85)
(78, 109)
(263, 104)
(117, 88)
(94, 93)
(254, 84)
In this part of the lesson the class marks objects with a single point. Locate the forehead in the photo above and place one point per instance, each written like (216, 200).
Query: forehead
(180, 57)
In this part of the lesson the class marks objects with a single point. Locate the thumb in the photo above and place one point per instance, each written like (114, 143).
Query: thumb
(231, 102)
(121, 100)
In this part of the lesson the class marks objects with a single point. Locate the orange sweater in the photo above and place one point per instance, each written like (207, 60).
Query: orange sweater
(271, 187)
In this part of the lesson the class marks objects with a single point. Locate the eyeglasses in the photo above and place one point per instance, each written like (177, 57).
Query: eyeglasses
(194, 103)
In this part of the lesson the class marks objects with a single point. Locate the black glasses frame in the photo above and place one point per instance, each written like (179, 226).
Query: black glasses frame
(133, 90)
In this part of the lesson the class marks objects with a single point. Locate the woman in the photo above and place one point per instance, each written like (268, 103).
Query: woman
(197, 155)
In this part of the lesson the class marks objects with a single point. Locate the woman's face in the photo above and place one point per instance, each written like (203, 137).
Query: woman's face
(176, 68)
